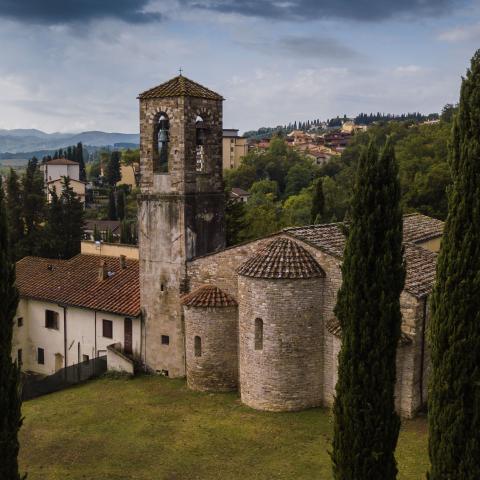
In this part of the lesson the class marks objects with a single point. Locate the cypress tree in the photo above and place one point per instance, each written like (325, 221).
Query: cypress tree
(113, 171)
(318, 202)
(33, 209)
(366, 425)
(112, 207)
(121, 204)
(10, 391)
(79, 158)
(14, 212)
(53, 244)
(73, 220)
(454, 400)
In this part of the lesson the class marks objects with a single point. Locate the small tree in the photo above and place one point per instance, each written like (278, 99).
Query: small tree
(318, 202)
(235, 222)
(454, 400)
(113, 171)
(10, 391)
(121, 204)
(112, 206)
(368, 308)
(14, 212)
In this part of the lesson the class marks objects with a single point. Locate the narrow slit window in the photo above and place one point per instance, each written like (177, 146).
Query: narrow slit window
(161, 140)
(198, 346)
(258, 334)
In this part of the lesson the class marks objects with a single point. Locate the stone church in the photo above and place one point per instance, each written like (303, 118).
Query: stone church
(256, 317)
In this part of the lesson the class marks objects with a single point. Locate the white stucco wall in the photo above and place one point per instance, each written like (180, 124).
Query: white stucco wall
(84, 335)
(54, 172)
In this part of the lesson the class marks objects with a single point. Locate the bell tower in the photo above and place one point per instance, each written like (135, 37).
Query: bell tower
(181, 207)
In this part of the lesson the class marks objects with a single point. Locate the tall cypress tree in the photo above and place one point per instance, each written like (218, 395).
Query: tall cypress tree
(79, 158)
(112, 206)
(10, 397)
(318, 202)
(454, 400)
(113, 171)
(14, 212)
(121, 204)
(368, 308)
(73, 220)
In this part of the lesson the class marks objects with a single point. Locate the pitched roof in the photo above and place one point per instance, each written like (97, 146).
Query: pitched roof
(239, 192)
(417, 228)
(75, 282)
(282, 258)
(61, 161)
(330, 238)
(333, 326)
(208, 296)
(180, 86)
(103, 225)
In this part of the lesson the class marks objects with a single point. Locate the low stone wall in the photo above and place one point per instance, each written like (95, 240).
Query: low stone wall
(117, 361)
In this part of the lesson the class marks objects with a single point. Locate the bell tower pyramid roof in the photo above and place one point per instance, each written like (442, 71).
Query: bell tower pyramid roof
(180, 86)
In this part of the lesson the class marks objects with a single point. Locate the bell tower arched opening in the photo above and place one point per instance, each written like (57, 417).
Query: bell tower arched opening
(200, 143)
(161, 139)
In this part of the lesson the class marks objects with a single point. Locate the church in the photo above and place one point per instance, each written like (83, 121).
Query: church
(256, 317)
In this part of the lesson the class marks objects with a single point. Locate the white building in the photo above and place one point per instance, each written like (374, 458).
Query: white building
(70, 311)
(59, 168)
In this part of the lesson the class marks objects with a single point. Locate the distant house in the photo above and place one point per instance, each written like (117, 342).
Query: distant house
(239, 194)
(234, 148)
(102, 226)
(54, 171)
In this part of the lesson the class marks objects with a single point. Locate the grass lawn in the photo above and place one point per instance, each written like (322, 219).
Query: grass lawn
(155, 428)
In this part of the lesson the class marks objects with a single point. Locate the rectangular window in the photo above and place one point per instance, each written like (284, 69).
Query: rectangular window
(51, 319)
(258, 334)
(40, 356)
(108, 329)
(85, 358)
(20, 357)
(20, 321)
(165, 340)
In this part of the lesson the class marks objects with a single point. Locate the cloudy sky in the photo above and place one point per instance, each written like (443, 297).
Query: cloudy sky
(75, 65)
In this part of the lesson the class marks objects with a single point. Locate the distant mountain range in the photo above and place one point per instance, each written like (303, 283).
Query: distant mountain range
(31, 140)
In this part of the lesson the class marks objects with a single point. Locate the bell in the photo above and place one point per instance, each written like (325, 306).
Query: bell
(162, 136)
(201, 136)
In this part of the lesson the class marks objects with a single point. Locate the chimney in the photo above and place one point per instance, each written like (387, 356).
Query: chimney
(123, 262)
(102, 271)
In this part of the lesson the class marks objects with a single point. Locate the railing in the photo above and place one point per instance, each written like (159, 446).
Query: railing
(33, 386)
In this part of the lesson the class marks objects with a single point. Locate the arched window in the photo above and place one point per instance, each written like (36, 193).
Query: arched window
(258, 334)
(200, 141)
(161, 138)
(198, 346)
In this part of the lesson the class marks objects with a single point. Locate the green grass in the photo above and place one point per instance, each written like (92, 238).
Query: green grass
(155, 428)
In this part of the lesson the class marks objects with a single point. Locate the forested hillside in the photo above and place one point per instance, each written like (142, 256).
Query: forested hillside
(282, 181)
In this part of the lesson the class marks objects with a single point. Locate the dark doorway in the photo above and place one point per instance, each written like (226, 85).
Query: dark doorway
(128, 336)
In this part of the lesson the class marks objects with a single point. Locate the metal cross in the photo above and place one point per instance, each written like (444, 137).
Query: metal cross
(180, 70)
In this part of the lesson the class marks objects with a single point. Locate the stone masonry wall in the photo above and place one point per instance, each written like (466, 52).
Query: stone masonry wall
(217, 367)
(181, 215)
(286, 374)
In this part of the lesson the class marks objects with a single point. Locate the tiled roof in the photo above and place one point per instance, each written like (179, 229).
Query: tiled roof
(61, 161)
(282, 258)
(208, 296)
(330, 238)
(333, 326)
(76, 282)
(421, 269)
(180, 86)
(239, 192)
(103, 225)
(417, 228)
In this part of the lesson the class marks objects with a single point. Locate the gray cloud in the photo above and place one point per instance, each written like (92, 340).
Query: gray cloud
(363, 10)
(55, 12)
(317, 47)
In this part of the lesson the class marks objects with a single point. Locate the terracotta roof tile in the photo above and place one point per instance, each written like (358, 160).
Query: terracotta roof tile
(75, 282)
(333, 326)
(417, 228)
(61, 161)
(282, 258)
(208, 296)
(180, 86)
